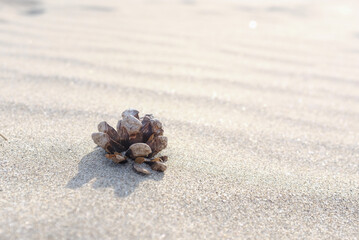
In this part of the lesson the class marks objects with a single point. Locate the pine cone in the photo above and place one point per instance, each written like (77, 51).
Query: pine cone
(137, 139)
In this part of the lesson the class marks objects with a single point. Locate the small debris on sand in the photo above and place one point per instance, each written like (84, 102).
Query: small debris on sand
(3, 137)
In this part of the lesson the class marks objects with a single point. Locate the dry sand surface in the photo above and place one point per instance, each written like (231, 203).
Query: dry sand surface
(260, 101)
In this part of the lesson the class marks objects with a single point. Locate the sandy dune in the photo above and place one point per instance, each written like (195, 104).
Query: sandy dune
(260, 101)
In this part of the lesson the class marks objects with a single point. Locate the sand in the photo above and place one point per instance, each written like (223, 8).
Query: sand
(260, 102)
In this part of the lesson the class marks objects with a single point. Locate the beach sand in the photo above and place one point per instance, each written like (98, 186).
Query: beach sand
(259, 99)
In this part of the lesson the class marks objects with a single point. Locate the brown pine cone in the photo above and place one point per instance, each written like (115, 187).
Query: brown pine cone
(135, 137)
